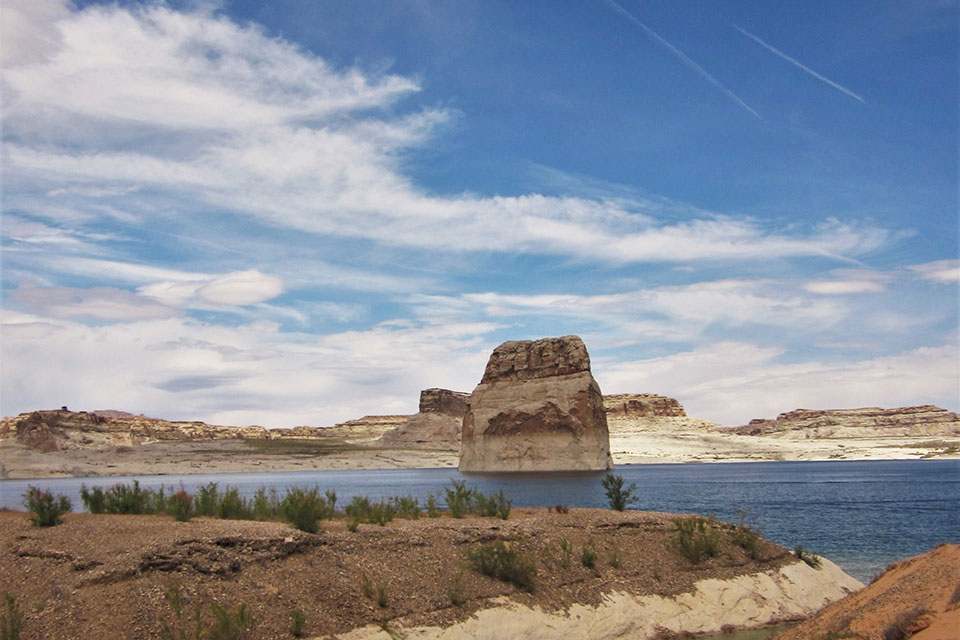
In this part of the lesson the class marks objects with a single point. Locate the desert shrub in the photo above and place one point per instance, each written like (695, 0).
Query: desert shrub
(458, 498)
(381, 513)
(566, 549)
(617, 495)
(297, 619)
(331, 497)
(266, 506)
(613, 558)
(588, 556)
(206, 501)
(812, 559)
(233, 506)
(180, 505)
(359, 508)
(900, 628)
(46, 510)
(406, 507)
(11, 618)
(382, 598)
(230, 625)
(93, 499)
(457, 597)
(304, 508)
(432, 510)
(366, 585)
(505, 563)
(128, 499)
(746, 537)
(560, 508)
(699, 538)
(182, 628)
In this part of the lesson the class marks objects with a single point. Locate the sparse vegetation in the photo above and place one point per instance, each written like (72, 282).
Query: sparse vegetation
(462, 500)
(560, 508)
(900, 628)
(457, 597)
(613, 557)
(812, 559)
(566, 550)
(11, 618)
(617, 495)
(432, 510)
(699, 538)
(304, 508)
(180, 505)
(502, 561)
(297, 619)
(745, 537)
(46, 509)
(588, 556)
(374, 592)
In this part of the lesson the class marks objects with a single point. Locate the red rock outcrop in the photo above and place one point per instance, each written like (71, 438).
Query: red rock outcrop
(537, 408)
(641, 405)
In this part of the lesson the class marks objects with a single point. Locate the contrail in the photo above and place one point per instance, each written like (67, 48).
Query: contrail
(796, 63)
(682, 56)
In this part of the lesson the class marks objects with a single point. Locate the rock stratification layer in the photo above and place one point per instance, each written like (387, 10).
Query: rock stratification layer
(537, 408)
(642, 405)
(436, 425)
(924, 420)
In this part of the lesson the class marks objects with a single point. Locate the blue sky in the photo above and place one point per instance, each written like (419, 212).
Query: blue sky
(294, 213)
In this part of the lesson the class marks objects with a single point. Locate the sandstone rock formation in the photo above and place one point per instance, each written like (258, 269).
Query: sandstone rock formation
(437, 424)
(642, 405)
(537, 408)
(925, 420)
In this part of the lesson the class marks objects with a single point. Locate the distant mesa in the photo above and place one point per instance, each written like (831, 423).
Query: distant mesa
(642, 405)
(437, 424)
(537, 408)
(924, 420)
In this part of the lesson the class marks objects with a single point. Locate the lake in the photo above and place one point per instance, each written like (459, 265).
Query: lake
(862, 515)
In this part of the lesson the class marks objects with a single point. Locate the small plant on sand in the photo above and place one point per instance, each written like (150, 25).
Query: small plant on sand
(230, 625)
(382, 599)
(207, 499)
(566, 550)
(376, 592)
(304, 508)
(457, 597)
(93, 499)
(183, 628)
(432, 510)
(46, 510)
(297, 619)
(613, 557)
(699, 538)
(266, 506)
(406, 507)
(233, 506)
(617, 495)
(506, 563)
(11, 618)
(901, 627)
(588, 557)
(458, 498)
(560, 508)
(745, 537)
(180, 505)
(812, 559)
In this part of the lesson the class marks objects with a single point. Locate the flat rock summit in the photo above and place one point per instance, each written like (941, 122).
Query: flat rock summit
(537, 408)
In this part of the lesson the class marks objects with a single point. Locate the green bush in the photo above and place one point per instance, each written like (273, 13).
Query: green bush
(699, 538)
(93, 500)
(230, 625)
(618, 496)
(226, 624)
(505, 563)
(566, 548)
(406, 507)
(206, 501)
(232, 506)
(588, 557)
(297, 619)
(11, 618)
(462, 500)
(124, 499)
(304, 508)
(812, 559)
(46, 510)
(265, 506)
(432, 510)
(458, 498)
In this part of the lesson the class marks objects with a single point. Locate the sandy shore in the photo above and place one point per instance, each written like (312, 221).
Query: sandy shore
(632, 441)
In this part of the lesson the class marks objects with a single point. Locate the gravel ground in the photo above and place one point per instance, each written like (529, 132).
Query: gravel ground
(105, 576)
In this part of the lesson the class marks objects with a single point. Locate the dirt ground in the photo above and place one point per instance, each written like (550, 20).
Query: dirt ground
(916, 598)
(106, 575)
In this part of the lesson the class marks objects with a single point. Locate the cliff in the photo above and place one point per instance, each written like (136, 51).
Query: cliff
(921, 421)
(641, 405)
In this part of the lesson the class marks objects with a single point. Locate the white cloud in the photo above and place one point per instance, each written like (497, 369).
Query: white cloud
(99, 303)
(843, 287)
(256, 126)
(249, 374)
(27, 31)
(231, 289)
(944, 271)
(731, 383)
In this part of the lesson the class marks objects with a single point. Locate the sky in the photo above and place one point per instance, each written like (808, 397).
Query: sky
(305, 211)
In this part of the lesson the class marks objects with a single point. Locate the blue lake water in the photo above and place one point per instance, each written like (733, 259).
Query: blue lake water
(862, 515)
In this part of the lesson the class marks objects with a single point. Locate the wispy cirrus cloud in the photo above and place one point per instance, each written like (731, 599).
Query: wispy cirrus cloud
(252, 126)
(943, 271)
(769, 47)
(684, 58)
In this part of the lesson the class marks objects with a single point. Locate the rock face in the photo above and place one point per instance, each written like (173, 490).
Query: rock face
(537, 408)
(925, 420)
(642, 405)
(436, 426)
